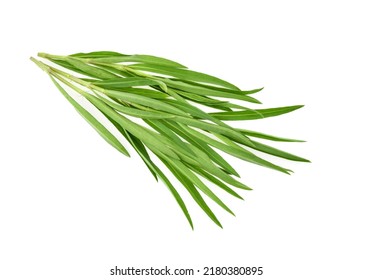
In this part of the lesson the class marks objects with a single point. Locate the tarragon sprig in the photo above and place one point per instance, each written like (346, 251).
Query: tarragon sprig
(177, 126)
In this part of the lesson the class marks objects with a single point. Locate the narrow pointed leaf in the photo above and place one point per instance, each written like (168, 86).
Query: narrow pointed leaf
(119, 83)
(145, 157)
(143, 114)
(141, 150)
(199, 98)
(152, 140)
(267, 136)
(193, 191)
(184, 74)
(276, 152)
(137, 145)
(203, 146)
(91, 70)
(208, 92)
(212, 128)
(239, 153)
(197, 182)
(216, 181)
(257, 114)
(238, 115)
(99, 54)
(104, 132)
(145, 101)
(67, 65)
(236, 91)
(146, 92)
(163, 129)
(154, 61)
(176, 195)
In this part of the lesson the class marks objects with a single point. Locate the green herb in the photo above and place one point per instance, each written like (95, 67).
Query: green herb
(169, 98)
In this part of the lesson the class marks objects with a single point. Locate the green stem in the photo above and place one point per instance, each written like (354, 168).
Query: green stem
(67, 83)
(43, 66)
(50, 70)
(120, 67)
(51, 56)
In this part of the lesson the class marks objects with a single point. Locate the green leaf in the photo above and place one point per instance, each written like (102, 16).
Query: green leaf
(70, 67)
(237, 152)
(214, 180)
(266, 136)
(150, 59)
(203, 146)
(198, 98)
(252, 91)
(184, 74)
(276, 152)
(99, 54)
(238, 115)
(146, 92)
(145, 101)
(185, 181)
(106, 134)
(141, 150)
(164, 130)
(143, 114)
(227, 106)
(194, 111)
(175, 195)
(136, 144)
(122, 83)
(207, 164)
(199, 184)
(119, 72)
(212, 128)
(236, 91)
(145, 157)
(151, 139)
(208, 92)
(91, 70)
(278, 111)
(257, 114)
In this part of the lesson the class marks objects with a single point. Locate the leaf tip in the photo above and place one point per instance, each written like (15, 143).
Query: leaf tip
(288, 171)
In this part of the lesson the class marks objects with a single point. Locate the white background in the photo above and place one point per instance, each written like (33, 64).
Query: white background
(71, 207)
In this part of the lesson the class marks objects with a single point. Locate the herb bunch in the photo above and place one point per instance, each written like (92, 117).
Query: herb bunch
(170, 103)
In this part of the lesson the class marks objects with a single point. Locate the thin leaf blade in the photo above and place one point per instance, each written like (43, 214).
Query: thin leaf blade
(255, 114)
(103, 131)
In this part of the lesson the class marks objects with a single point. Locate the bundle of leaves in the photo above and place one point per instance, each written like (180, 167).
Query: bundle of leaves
(164, 109)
